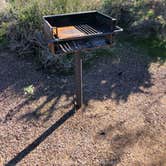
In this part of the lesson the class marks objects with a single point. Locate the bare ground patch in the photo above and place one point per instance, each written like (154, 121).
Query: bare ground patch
(123, 121)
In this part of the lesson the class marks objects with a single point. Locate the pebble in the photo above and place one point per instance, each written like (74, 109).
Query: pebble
(163, 100)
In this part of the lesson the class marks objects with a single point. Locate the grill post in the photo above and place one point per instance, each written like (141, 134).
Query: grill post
(78, 80)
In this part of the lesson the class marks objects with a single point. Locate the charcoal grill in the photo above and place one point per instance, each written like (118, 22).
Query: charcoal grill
(75, 32)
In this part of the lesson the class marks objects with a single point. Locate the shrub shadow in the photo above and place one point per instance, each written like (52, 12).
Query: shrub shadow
(113, 75)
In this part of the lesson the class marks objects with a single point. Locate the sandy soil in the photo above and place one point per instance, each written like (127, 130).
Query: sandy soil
(2, 5)
(123, 122)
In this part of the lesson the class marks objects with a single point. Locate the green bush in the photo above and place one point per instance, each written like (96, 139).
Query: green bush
(145, 19)
(3, 32)
(27, 21)
(28, 14)
(140, 18)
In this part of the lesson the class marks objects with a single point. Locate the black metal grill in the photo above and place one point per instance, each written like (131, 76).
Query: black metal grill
(67, 33)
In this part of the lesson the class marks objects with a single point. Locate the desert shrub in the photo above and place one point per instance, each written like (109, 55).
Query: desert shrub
(141, 18)
(3, 31)
(24, 32)
(22, 22)
(29, 13)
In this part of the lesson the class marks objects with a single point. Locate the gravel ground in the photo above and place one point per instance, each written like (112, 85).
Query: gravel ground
(123, 122)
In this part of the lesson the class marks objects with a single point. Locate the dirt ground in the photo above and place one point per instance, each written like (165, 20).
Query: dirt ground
(123, 122)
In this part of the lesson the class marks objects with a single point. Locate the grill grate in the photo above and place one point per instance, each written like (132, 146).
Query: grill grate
(87, 29)
(77, 45)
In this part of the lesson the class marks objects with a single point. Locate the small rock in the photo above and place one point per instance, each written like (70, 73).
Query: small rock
(48, 77)
(103, 82)
(102, 133)
(64, 80)
(163, 100)
(17, 138)
(1, 161)
(120, 73)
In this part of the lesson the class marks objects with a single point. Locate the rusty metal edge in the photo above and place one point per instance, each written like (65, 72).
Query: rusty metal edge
(69, 14)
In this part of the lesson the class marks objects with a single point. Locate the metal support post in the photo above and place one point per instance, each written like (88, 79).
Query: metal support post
(78, 81)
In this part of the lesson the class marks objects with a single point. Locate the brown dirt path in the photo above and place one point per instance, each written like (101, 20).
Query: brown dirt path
(123, 122)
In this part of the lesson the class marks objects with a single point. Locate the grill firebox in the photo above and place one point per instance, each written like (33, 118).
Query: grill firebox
(75, 32)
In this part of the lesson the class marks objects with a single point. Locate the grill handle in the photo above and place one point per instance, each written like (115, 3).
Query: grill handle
(118, 29)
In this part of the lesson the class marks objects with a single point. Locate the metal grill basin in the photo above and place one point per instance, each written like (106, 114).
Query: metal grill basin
(79, 26)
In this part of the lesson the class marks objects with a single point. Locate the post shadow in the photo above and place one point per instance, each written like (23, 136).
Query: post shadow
(41, 138)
